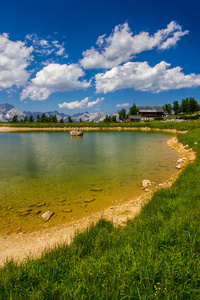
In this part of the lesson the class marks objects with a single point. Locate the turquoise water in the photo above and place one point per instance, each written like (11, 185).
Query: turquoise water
(60, 171)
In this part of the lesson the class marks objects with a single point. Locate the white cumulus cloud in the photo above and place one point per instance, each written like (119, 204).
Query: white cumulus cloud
(14, 59)
(122, 45)
(98, 101)
(55, 78)
(142, 77)
(123, 105)
(81, 104)
(74, 104)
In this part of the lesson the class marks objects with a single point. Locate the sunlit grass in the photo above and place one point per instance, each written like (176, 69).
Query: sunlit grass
(182, 126)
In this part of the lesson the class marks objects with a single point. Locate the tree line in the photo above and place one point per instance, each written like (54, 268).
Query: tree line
(41, 119)
(187, 106)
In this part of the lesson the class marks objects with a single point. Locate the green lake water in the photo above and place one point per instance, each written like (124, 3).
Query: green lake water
(44, 171)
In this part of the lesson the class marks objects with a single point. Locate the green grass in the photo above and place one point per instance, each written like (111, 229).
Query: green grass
(182, 126)
(156, 256)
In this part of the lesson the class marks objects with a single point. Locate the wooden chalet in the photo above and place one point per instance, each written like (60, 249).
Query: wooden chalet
(151, 111)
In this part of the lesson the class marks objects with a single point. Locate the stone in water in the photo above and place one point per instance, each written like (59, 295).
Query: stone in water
(47, 215)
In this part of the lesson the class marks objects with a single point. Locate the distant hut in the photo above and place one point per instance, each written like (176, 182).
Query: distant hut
(135, 118)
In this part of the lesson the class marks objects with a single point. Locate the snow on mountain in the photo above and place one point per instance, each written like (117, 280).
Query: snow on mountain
(89, 117)
(117, 115)
(7, 112)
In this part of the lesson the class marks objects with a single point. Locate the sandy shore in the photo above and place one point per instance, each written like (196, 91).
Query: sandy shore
(23, 129)
(19, 246)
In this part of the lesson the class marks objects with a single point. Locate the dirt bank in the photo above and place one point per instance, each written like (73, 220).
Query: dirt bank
(22, 129)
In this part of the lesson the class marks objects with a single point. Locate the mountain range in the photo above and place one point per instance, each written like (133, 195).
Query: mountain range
(7, 111)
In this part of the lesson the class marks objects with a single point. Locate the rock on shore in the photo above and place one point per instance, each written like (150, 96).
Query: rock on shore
(146, 183)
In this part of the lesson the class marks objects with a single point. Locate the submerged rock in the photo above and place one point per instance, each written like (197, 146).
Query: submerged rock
(41, 204)
(24, 210)
(67, 210)
(62, 200)
(9, 207)
(96, 189)
(25, 213)
(32, 205)
(89, 200)
(19, 228)
(47, 215)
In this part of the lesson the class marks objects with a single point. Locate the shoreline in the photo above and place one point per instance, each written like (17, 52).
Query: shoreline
(22, 129)
(22, 245)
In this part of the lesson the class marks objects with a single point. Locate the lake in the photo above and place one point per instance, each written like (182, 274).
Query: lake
(43, 171)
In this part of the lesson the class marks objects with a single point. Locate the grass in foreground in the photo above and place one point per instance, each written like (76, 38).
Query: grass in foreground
(156, 256)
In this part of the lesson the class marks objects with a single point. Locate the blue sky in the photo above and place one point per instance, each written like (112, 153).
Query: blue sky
(76, 56)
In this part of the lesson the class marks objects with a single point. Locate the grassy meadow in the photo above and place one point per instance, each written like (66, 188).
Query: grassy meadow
(182, 126)
(156, 256)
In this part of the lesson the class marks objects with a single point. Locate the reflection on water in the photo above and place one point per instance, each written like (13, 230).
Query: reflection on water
(60, 171)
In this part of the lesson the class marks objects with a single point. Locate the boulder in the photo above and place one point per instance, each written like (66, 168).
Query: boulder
(76, 132)
(47, 215)
(146, 183)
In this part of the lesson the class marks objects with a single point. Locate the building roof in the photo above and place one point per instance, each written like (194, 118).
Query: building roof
(150, 109)
(136, 117)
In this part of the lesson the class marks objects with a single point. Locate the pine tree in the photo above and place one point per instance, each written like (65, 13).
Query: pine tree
(70, 120)
(133, 110)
